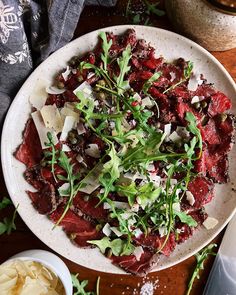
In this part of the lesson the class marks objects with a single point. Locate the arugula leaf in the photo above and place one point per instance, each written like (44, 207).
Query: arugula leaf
(52, 154)
(105, 46)
(200, 257)
(149, 82)
(110, 172)
(79, 286)
(148, 194)
(192, 127)
(5, 202)
(123, 63)
(185, 218)
(117, 246)
(188, 70)
(130, 191)
(152, 8)
(8, 224)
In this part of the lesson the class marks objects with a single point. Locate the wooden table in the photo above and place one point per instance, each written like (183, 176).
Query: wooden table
(170, 281)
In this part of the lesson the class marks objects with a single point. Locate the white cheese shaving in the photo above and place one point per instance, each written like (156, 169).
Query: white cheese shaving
(106, 206)
(107, 230)
(79, 158)
(135, 207)
(156, 179)
(54, 90)
(210, 222)
(195, 99)
(162, 231)
(65, 148)
(138, 251)
(62, 188)
(174, 136)
(39, 95)
(52, 118)
(167, 129)
(137, 232)
(66, 74)
(93, 151)
(117, 204)
(91, 181)
(190, 198)
(80, 128)
(194, 81)
(137, 97)
(147, 102)
(116, 231)
(126, 215)
(176, 207)
(85, 88)
(68, 125)
(43, 130)
(68, 111)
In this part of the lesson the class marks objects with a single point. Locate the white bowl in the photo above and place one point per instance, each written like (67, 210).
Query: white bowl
(51, 261)
(167, 44)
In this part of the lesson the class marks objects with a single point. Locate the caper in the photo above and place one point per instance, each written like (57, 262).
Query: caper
(43, 163)
(74, 60)
(60, 85)
(98, 227)
(204, 120)
(71, 134)
(204, 104)
(73, 140)
(223, 117)
(162, 148)
(197, 105)
(80, 78)
(102, 83)
(97, 89)
(178, 144)
(101, 95)
(170, 148)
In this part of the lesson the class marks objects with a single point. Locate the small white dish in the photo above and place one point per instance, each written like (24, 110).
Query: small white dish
(51, 261)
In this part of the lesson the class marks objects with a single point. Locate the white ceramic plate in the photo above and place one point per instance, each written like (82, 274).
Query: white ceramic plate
(171, 46)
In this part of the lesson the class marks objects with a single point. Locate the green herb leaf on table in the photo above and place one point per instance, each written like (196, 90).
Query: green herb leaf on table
(201, 258)
(152, 8)
(5, 202)
(79, 286)
(8, 224)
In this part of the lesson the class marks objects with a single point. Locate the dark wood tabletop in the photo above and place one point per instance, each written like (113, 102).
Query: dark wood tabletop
(173, 280)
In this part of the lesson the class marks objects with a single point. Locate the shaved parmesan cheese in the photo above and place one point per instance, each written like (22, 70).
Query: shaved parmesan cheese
(43, 130)
(91, 181)
(210, 222)
(162, 231)
(39, 95)
(68, 111)
(54, 90)
(156, 179)
(173, 181)
(117, 204)
(137, 232)
(65, 148)
(68, 125)
(116, 231)
(147, 102)
(135, 207)
(190, 198)
(93, 151)
(195, 99)
(107, 230)
(85, 88)
(52, 118)
(167, 129)
(194, 81)
(174, 136)
(138, 251)
(176, 207)
(126, 215)
(79, 158)
(106, 206)
(137, 97)
(90, 75)
(63, 188)
(66, 74)
(80, 128)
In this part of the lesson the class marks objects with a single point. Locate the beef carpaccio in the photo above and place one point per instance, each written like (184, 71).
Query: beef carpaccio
(125, 150)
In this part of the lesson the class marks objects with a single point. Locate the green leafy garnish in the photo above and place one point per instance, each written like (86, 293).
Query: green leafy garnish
(52, 154)
(185, 218)
(192, 127)
(123, 63)
(5, 202)
(149, 82)
(118, 247)
(200, 257)
(152, 8)
(8, 224)
(79, 286)
(105, 46)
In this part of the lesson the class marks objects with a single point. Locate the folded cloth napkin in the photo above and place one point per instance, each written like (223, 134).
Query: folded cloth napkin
(29, 31)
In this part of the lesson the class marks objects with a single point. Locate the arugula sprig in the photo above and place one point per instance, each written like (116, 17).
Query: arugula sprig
(51, 153)
(5, 202)
(8, 224)
(187, 74)
(81, 285)
(201, 258)
(149, 82)
(105, 46)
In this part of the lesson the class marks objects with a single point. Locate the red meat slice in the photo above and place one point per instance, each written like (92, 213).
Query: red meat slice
(226, 131)
(89, 207)
(182, 108)
(79, 229)
(210, 133)
(202, 190)
(219, 104)
(30, 151)
(217, 167)
(160, 98)
(205, 90)
(44, 200)
(154, 242)
(34, 177)
(130, 263)
(152, 63)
